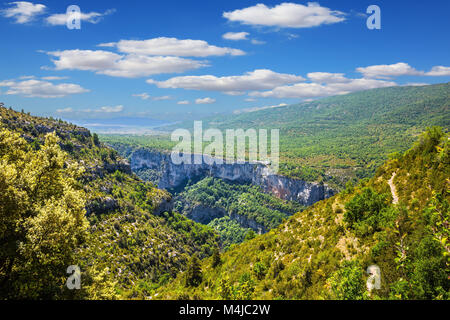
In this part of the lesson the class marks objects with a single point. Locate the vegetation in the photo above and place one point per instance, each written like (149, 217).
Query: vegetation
(336, 139)
(67, 199)
(324, 251)
(258, 211)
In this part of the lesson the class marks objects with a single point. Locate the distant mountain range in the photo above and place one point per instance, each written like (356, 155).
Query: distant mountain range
(124, 125)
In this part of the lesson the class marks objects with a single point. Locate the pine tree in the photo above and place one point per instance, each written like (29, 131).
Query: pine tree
(216, 260)
(193, 272)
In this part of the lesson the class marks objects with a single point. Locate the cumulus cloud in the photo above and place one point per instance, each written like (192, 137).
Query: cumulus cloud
(261, 79)
(235, 35)
(60, 19)
(205, 100)
(116, 65)
(326, 77)
(315, 90)
(164, 46)
(286, 15)
(183, 102)
(386, 71)
(23, 11)
(439, 71)
(41, 89)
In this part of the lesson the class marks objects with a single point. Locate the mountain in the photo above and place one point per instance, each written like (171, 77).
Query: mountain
(398, 220)
(67, 199)
(339, 138)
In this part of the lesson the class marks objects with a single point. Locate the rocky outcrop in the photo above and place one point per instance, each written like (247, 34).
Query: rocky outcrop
(173, 176)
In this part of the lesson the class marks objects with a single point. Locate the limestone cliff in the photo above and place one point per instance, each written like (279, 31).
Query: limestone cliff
(170, 175)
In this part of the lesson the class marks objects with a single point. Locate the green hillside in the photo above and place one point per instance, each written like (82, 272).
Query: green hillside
(67, 199)
(339, 138)
(261, 212)
(398, 220)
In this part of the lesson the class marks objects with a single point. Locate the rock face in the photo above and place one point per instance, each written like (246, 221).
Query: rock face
(172, 176)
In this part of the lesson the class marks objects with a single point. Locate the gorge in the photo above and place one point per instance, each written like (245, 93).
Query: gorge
(169, 176)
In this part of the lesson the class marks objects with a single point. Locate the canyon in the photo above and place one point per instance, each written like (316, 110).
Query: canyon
(168, 175)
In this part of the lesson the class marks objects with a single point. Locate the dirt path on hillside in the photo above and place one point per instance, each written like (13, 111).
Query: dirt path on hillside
(393, 189)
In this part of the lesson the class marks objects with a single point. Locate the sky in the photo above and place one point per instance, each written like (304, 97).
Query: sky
(172, 60)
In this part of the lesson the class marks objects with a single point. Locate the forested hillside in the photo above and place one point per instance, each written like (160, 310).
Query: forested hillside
(236, 211)
(398, 220)
(66, 199)
(339, 138)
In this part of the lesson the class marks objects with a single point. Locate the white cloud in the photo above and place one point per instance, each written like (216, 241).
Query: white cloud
(326, 77)
(172, 47)
(261, 79)
(162, 98)
(113, 64)
(105, 109)
(23, 11)
(54, 78)
(143, 96)
(416, 84)
(384, 71)
(108, 109)
(235, 35)
(41, 89)
(205, 100)
(183, 102)
(257, 42)
(65, 110)
(60, 19)
(315, 90)
(26, 77)
(439, 71)
(286, 15)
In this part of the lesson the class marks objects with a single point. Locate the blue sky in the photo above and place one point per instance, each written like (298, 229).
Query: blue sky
(169, 59)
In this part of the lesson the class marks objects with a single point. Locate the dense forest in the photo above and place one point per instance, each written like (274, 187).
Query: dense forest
(257, 211)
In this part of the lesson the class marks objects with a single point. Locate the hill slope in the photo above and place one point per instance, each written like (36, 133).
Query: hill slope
(52, 172)
(398, 220)
(339, 138)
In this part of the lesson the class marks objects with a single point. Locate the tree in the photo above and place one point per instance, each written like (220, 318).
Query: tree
(250, 235)
(216, 260)
(365, 207)
(95, 139)
(193, 272)
(347, 283)
(42, 218)
(260, 270)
